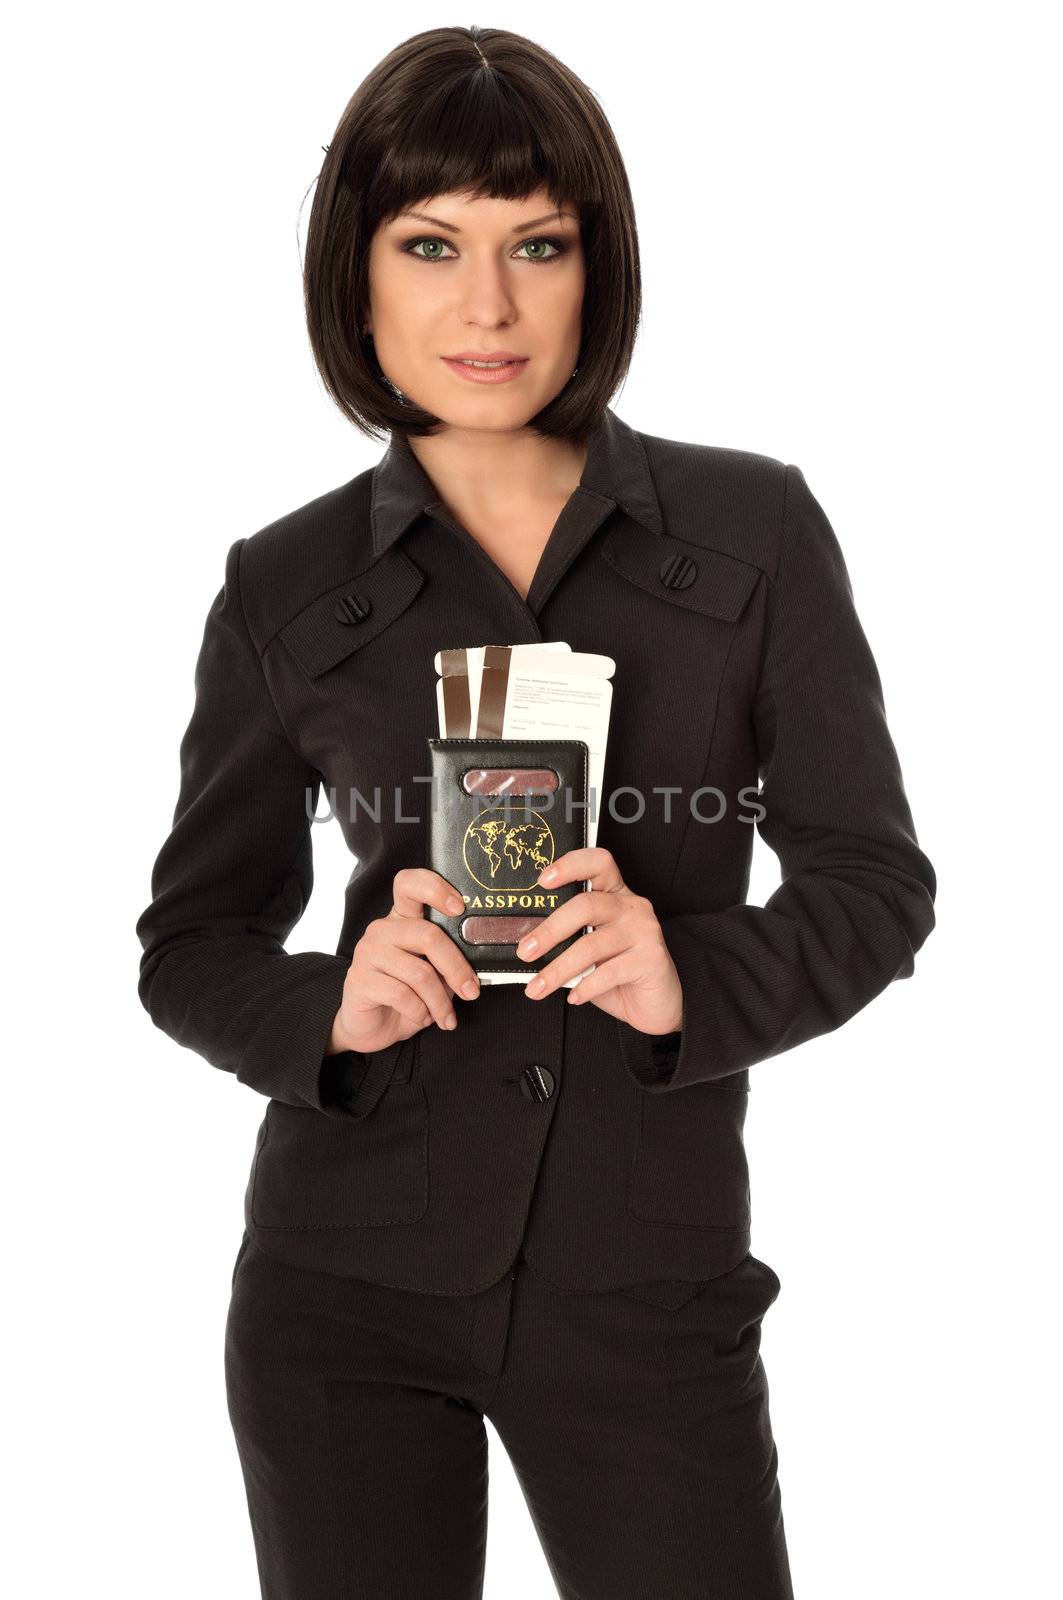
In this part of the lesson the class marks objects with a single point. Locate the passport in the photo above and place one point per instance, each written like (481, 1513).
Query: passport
(501, 811)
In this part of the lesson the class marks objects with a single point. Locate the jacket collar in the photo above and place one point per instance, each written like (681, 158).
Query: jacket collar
(616, 470)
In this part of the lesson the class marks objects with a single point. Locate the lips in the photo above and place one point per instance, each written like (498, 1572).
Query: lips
(485, 355)
(499, 368)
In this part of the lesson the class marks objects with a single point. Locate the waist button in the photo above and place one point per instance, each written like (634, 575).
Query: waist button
(536, 1083)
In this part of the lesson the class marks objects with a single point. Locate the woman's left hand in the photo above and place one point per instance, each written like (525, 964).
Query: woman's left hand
(635, 977)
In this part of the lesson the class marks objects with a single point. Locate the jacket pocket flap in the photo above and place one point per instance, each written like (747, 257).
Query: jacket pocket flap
(681, 573)
(352, 614)
(670, 1292)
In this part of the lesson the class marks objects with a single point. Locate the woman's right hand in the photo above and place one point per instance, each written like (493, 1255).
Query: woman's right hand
(404, 969)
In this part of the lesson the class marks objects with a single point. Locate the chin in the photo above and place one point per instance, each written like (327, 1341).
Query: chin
(489, 412)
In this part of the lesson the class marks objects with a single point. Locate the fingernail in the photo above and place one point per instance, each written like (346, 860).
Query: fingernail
(454, 904)
(450, 1020)
(548, 876)
(536, 987)
(527, 947)
(470, 989)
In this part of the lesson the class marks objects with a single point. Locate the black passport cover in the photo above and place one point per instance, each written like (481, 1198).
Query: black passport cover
(493, 847)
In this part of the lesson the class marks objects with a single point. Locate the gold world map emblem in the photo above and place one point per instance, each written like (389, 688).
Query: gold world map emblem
(502, 852)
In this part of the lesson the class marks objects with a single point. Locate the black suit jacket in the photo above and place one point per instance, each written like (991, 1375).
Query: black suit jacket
(713, 578)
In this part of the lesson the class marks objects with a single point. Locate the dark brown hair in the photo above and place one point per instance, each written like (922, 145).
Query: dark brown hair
(432, 118)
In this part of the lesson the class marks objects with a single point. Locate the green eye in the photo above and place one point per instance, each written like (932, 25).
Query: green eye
(540, 244)
(433, 245)
(434, 248)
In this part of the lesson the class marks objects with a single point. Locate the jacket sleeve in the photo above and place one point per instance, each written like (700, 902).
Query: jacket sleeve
(232, 880)
(856, 900)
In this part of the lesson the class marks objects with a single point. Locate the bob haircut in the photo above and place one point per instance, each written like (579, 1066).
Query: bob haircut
(435, 116)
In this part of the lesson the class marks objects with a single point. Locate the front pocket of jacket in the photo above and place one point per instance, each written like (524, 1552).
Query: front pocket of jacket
(689, 1167)
(315, 1171)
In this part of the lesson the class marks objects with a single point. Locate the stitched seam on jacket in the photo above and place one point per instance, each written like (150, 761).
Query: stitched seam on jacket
(705, 768)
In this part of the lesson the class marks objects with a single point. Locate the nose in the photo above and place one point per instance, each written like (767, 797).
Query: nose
(487, 298)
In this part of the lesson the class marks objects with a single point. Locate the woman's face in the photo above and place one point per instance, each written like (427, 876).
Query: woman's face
(458, 277)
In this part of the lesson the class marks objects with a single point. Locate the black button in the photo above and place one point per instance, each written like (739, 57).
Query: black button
(537, 1083)
(678, 572)
(353, 608)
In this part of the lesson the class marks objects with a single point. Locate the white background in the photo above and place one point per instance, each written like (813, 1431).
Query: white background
(845, 217)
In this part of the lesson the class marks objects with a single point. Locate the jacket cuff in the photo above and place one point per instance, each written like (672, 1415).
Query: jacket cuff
(284, 1055)
(295, 1034)
(650, 1058)
(653, 1059)
(352, 1081)
(348, 1083)
(660, 1062)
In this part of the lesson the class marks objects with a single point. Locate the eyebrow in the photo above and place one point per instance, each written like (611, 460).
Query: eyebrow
(437, 222)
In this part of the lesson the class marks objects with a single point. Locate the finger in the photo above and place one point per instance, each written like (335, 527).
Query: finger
(592, 862)
(413, 888)
(600, 945)
(419, 976)
(374, 986)
(590, 909)
(623, 968)
(428, 939)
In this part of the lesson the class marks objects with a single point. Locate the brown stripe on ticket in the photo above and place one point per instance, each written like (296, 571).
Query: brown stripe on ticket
(497, 930)
(509, 780)
(457, 704)
(493, 686)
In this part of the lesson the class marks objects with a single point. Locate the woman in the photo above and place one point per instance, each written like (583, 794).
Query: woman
(528, 1203)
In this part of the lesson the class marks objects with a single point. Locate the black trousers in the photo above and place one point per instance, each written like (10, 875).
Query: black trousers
(636, 1423)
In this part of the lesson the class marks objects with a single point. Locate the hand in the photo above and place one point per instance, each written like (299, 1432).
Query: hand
(635, 977)
(404, 969)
